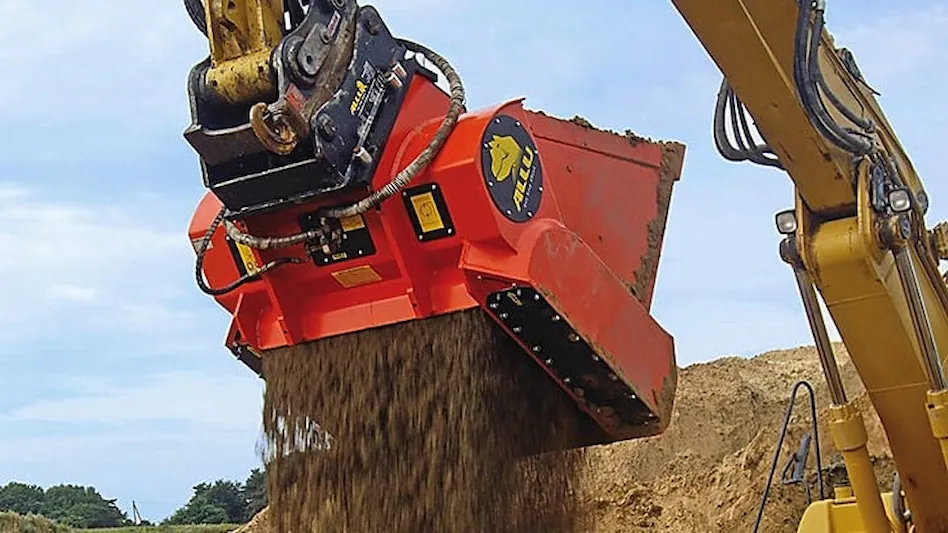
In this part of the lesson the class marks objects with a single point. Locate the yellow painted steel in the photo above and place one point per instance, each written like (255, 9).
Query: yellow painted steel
(242, 33)
(840, 515)
(938, 418)
(752, 42)
(849, 436)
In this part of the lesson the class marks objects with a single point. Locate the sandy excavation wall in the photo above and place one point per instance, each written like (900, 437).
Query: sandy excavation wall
(707, 472)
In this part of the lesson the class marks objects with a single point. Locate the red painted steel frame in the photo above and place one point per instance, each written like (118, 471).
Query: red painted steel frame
(592, 249)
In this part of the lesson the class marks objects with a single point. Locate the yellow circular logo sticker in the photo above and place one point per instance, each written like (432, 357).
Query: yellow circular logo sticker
(511, 167)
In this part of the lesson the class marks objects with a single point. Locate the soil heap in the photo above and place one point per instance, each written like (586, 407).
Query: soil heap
(708, 471)
(705, 474)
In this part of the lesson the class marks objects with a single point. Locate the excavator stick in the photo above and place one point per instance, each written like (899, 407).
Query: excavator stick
(551, 227)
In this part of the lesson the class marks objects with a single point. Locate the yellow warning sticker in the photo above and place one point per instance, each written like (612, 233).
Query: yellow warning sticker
(246, 254)
(427, 212)
(354, 277)
(352, 223)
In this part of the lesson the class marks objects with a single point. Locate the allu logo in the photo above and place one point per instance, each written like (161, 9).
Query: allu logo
(523, 177)
(359, 95)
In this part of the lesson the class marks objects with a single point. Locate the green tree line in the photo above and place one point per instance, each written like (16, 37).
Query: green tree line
(220, 502)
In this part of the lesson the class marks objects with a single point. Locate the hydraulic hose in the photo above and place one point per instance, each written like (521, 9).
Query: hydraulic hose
(745, 150)
(230, 287)
(397, 183)
(428, 154)
(806, 74)
(195, 9)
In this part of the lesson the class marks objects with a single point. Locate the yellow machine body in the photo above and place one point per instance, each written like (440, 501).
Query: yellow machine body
(752, 42)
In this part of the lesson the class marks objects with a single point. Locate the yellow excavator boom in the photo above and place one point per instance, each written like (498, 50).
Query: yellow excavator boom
(857, 235)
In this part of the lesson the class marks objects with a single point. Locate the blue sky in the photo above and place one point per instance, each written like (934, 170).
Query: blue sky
(113, 370)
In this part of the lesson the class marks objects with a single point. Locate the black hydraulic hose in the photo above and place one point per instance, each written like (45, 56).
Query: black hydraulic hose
(806, 70)
(720, 129)
(816, 34)
(857, 147)
(733, 103)
(799, 39)
(783, 434)
(863, 123)
(756, 151)
(742, 152)
(802, 38)
(246, 278)
(195, 9)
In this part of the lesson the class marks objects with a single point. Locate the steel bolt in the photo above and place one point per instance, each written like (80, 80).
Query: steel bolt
(373, 25)
(326, 127)
(363, 155)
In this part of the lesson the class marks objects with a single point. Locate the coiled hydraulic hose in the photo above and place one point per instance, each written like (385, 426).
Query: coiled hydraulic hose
(396, 184)
(428, 154)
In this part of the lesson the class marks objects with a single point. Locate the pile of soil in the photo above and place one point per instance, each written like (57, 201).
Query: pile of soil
(706, 473)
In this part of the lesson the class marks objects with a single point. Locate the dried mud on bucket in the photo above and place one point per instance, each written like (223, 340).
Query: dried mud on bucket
(417, 427)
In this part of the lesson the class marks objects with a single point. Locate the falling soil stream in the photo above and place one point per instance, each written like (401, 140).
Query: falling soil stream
(419, 426)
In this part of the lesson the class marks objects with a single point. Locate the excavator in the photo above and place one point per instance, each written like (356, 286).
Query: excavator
(349, 187)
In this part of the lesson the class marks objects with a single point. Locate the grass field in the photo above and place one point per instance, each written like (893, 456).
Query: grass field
(13, 523)
(222, 528)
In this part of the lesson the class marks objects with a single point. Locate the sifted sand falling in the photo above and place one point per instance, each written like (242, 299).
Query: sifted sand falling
(425, 422)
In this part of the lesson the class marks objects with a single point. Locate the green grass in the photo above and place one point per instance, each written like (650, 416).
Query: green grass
(221, 528)
(217, 528)
(14, 523)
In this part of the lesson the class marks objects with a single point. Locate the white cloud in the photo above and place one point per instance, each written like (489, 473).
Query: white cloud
(906, 46)
(224, 403)
(92, 268)
(66, 291)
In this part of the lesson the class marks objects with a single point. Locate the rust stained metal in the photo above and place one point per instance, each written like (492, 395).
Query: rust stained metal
(673, 155)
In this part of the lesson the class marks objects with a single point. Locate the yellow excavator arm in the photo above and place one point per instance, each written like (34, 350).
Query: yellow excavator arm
(857, 236)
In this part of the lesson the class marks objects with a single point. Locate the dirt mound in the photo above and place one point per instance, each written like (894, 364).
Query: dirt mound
(708, 471)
